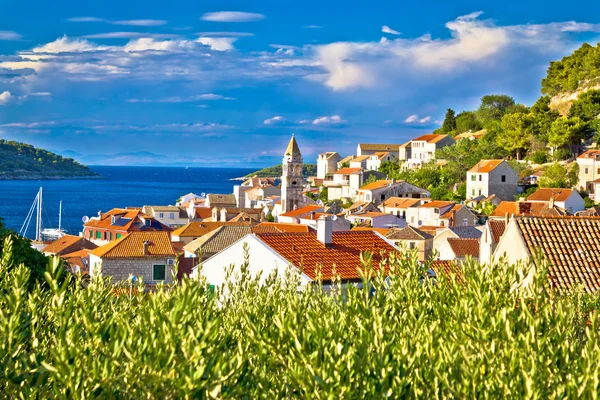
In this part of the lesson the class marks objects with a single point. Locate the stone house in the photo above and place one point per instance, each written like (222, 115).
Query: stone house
(327, 163)
(379, 191)
(440, 213)
(171, 216)
(492, 177)
(568, 199)
(347, 181)
(412, 239)
(147, 255)
(221, 200)
(398, 205)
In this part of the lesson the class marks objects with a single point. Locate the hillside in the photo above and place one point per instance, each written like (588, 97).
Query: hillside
(275, 171)
(23, 161)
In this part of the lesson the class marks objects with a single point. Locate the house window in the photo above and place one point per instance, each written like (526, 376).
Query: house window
(382, 197)
(586, 171)
(599, 170)
(503, 178)
(110, 236)
(480, 192)
(161, 215)
(473, 177)
(118, 236)
(98, 235)
(159, 272)
(473, 192)
(412, 245)
(480, 178)
(91, 234)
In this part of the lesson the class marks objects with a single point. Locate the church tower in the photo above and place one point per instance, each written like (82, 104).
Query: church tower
(291, 179)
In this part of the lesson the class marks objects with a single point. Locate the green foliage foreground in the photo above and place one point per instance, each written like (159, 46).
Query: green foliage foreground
(408, 337)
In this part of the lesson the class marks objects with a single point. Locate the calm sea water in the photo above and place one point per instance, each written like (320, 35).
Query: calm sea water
(121, 187)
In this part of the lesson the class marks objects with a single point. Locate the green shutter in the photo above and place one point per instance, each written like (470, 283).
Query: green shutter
(98, 235)
(118, 236)
(159, 272)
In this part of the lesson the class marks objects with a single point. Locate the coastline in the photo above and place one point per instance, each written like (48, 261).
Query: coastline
(48, 178)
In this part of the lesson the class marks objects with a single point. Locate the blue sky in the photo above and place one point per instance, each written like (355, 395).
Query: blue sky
(226, 83)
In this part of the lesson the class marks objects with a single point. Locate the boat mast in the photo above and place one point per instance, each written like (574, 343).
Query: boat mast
(38, 224)
(59, 214)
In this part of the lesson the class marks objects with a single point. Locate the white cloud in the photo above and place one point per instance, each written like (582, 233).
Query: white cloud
(232, 16)
(184, 99)
(313, 26)
(470, 17)
(5, 97)
(275, 120)
(387, 29)
(86, 19)
(67, 45)
(129, 22)
(411, 118)
(332, 120)
(9, 35)
(130, 35)
(218, 44)
(425, 120)
(140, 22)
(225, 34)
(149, 44)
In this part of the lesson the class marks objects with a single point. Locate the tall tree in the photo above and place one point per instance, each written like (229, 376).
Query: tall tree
(449, 124)
(515, 133)
(466, 121)
(566, 131)
(493, 107)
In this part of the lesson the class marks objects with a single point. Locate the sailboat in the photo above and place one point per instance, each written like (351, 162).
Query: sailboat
(41, 233)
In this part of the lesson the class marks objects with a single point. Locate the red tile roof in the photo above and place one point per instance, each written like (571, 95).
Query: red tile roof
(437, 204)
(590, 154)
(304, 251)
(485, 166)
(347, 171)
(497, 228)
(203, 212)
(277, 227)
(571, 245)
(301, 211)
(464, 247)
(132, 246)
(525, 208)
(448, 268)
(382, 231)
(376, 185)
(544, 194)
(68, 244)
(197, 229)
(430, 138)
(401, 202)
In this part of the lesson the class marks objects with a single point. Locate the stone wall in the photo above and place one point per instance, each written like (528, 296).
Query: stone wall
(120, 269)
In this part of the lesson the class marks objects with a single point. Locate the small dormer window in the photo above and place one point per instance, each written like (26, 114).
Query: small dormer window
(503, 178)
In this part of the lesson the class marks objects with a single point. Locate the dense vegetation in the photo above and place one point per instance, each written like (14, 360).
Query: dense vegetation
(276, 171)
(574, 71)
(481, 336)
(536, 134)
(23, 161)
(23, 253)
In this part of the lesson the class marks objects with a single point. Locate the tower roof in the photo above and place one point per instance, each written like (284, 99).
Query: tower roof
(292, 148)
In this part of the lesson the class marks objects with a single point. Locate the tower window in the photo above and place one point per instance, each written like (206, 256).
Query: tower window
(293, 182)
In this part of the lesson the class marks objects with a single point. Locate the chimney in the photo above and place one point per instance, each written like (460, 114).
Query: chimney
(312, 215)
(324, 230)
(523, 207)
(146, 246)
(551, 205)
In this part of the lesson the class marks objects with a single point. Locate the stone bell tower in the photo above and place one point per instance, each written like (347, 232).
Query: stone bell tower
(291, 179)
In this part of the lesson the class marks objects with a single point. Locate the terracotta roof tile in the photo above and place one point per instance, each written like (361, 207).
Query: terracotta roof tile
(525, 208)
(464, 247)
(544, 194)
(203, 212)
(379, 147)
(347, 171)
(304, 251)
(197, 229)
(68, 244)
(430, 138)
(437, 204)
(485, 166)
(382, 231)
(376, 185)
(132, 246)
(401, 202)
(275, 227)
(301, 211)
(590, 154)
(570, 244)
(497, 228)
(449, 268)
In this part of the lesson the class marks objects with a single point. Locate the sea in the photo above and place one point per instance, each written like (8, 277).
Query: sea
(119, 187)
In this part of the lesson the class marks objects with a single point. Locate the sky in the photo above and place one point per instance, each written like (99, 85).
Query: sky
(226, 83)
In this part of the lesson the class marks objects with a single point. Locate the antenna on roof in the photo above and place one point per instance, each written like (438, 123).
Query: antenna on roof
(202, 194)
(85, 219)
(320, 202)
(359, 208)
(334, 217)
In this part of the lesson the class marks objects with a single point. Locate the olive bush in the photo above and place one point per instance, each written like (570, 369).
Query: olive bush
(491, 332)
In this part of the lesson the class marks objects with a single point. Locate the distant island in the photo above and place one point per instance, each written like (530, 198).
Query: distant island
(24, 161)
(275, 171)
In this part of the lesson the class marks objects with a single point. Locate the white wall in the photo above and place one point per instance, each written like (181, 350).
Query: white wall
(261, 258)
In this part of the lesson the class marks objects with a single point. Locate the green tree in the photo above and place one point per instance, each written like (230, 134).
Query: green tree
(467, 121)
(449, 124)
(23, 253)
(556, 176)
(515, 134)
(493, 107)
(390, 168)
(580, 68)
(566, 131)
